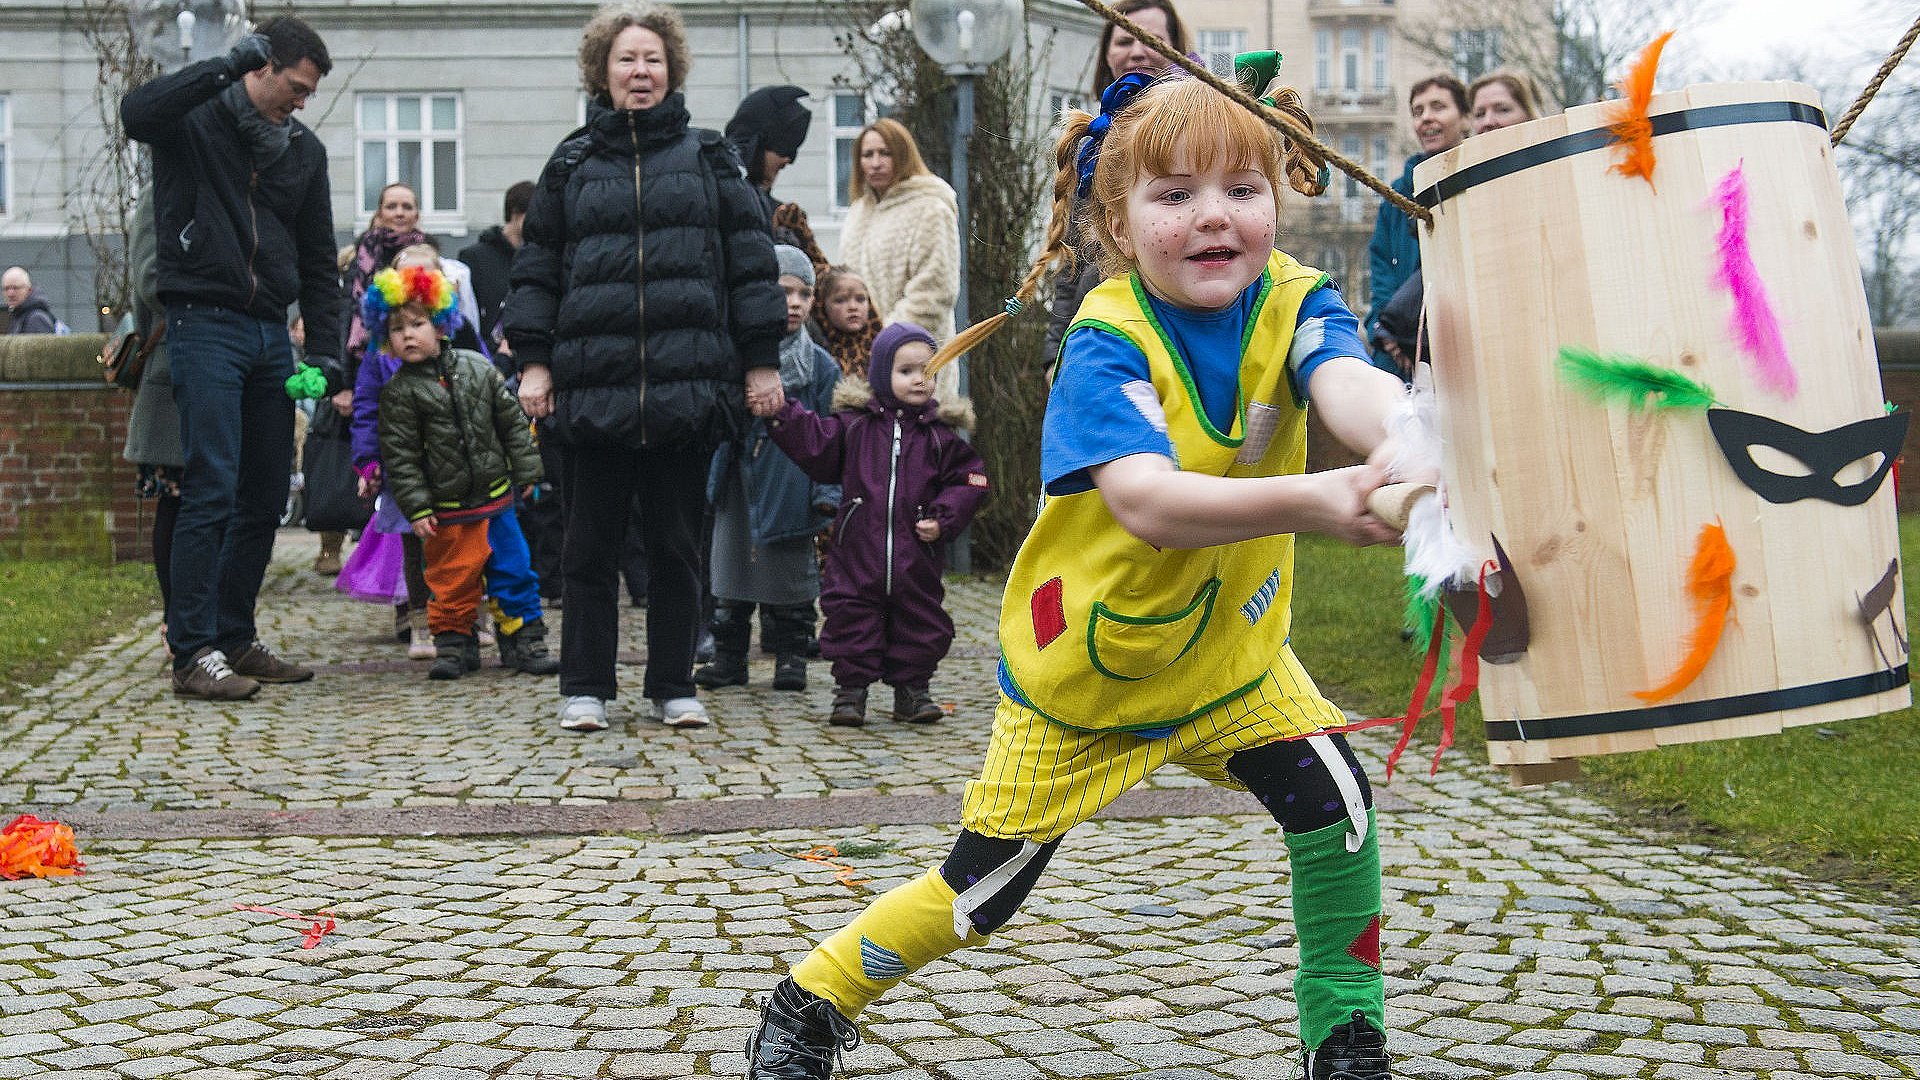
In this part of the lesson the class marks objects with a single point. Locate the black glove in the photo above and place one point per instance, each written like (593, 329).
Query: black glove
(253, 52)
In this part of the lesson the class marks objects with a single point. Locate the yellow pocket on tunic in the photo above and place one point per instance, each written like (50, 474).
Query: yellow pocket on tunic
(1134, 647)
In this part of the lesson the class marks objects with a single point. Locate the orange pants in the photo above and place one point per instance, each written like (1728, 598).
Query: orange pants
(456, 558)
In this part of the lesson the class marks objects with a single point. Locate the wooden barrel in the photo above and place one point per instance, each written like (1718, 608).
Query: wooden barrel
(1537, 245)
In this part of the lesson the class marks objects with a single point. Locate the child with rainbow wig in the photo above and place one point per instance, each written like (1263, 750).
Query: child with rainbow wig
(455, 446)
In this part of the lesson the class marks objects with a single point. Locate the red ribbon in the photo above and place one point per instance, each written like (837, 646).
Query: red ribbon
(1467, 677)
(1417, 704)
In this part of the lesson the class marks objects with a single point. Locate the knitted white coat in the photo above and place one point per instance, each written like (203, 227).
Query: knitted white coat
(906, 247)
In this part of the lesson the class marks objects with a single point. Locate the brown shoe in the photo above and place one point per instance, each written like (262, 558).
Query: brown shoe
(257, 662)
(209, 678)
(328, 561)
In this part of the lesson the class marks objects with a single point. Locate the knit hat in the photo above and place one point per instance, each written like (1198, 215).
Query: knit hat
(885, 345)
(795, 262)
(770, 118)
(390, 290)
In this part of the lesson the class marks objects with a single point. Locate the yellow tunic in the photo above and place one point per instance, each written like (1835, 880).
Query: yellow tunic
(1102, 631)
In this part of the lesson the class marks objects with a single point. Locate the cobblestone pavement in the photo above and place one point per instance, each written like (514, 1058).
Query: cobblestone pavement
(1527, 934)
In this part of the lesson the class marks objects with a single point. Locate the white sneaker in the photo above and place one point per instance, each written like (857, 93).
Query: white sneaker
(583, 713)
(681, 712)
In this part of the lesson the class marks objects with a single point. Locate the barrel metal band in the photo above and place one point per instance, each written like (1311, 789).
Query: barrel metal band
(1581, 142)
(1698, 712)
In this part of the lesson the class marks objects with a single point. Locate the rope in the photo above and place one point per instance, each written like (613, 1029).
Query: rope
(1886, 69)
(1285, 125)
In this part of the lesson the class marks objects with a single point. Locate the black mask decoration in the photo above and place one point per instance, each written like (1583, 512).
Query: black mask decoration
(1824, 453)
(1509, 631)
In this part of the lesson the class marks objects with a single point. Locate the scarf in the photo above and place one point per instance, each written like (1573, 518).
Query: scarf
(373, 253)
(796, 362)
(266, 139)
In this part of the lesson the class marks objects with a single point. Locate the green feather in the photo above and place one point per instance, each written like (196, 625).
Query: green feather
(1418, 619)
(1634, 382)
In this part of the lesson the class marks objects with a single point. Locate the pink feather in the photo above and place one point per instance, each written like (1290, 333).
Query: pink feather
(1755, 325)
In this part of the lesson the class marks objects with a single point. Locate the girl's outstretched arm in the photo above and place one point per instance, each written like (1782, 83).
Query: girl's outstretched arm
(1168, 508)
(1354, 399)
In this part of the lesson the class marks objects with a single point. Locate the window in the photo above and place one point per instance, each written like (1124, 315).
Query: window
(1059, 101)
(1323, 59)
(1380, 61)
(1218, 48)
(1349, 59)
(6, 157)
(413, 139)
(849, 116)
(1475, 52)
(1350, 149)
(1380, 163)
(1334, 262)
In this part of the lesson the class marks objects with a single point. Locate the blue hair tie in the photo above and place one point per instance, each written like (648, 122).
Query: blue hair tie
(1113, 100)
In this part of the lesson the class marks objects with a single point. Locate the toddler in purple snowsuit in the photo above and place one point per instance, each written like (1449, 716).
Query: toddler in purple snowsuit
(908, 481)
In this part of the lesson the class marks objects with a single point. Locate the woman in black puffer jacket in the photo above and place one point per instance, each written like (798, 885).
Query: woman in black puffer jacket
(644, 297)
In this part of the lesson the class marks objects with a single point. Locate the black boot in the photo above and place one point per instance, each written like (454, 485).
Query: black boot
(789, 672)
(849, 706)
(526, 649)
(727, 669)
(1354, 1051)
(915, 705)
(450, 655)
(469, 652)
(800, 1036)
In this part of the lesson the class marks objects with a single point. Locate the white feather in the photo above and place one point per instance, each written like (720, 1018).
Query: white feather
(1434, 554)
(1414, 429)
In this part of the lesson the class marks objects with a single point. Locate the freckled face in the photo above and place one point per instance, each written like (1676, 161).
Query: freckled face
(1199, 238)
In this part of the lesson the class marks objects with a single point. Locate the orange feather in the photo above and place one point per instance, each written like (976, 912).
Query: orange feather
(1710, 585)
(1627, 120)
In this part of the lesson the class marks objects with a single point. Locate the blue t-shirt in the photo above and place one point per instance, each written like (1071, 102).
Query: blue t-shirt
(1103, 406)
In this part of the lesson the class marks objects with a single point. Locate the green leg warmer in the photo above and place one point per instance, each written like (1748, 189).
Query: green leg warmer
(1336, 913)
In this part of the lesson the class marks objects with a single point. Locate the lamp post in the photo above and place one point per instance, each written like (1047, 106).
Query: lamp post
(964, 37)
(175, 33)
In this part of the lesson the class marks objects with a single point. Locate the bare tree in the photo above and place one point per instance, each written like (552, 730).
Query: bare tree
(1572, 49)
(1880, 167)
(116, 169)
(1008, 192)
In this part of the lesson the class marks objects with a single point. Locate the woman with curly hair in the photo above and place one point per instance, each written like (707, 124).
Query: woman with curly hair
(645, 299)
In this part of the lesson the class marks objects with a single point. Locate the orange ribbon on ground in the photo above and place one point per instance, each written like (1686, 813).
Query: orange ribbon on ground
(828, 855)
(319, 923)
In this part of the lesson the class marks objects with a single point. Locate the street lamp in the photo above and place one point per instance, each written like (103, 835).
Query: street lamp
(964, 37)
(175, 33)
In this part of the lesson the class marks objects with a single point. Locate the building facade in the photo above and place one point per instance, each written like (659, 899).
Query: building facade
(461, 99)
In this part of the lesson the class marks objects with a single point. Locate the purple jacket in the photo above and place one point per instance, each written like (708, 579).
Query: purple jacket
(376, 369)
(935, 474)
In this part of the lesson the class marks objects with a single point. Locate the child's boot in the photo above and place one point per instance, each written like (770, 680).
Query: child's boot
(915, 705)
(790, 672)
(420, 638)
(727, 669)
(849, 706)
(789, 624)
(526, 649)
(470, 651)
(1355, 1051)
(799, 1038)
(732, 628)
(450, 655)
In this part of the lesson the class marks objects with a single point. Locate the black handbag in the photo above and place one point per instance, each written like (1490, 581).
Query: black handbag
(332, 492)
(124, 359)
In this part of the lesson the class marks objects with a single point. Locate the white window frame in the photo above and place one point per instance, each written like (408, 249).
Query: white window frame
(871, 108)
(1352, 49)
(7, 193)
(1382, 61)
(1059, 101)
(391, 136)
(1219, 47)
(1323, 60)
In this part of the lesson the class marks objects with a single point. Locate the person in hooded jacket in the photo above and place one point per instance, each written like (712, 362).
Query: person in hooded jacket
(907, 480)
(644, 296)
(490, 258)
(766, 513)
(766, 131)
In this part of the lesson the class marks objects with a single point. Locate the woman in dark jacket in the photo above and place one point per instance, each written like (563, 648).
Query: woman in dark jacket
(636, 315)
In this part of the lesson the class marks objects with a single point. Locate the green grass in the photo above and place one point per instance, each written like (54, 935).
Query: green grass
(1835, 800)
(52, 610)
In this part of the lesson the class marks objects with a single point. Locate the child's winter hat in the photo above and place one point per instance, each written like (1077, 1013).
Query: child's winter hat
(794, 261)
(880, 366)
(390, 290)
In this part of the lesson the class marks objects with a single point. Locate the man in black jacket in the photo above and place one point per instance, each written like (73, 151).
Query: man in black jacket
(245, 227)
(491, 259)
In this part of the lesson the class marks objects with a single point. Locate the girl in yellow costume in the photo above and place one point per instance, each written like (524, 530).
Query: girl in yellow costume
(1145, 620)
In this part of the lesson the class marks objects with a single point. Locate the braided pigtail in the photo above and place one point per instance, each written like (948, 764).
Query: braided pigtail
(1306, 167)
(1056, 253)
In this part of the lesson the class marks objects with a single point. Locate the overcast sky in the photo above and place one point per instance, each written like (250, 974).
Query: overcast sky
(1752, 38)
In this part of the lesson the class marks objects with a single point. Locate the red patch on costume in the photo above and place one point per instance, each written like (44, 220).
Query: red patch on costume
(1049, 612)
(977, 479)
(1366, 947)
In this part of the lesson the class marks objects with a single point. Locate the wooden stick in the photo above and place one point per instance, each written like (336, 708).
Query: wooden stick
(1393, 503)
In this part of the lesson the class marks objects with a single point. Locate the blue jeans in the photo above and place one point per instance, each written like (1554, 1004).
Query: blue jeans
(236, 430)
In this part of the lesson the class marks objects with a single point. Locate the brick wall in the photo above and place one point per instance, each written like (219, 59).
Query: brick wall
(64, 490)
